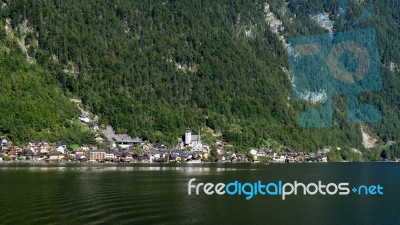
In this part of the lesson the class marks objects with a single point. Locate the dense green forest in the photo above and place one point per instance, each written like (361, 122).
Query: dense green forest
(153, 68)
(32, 103)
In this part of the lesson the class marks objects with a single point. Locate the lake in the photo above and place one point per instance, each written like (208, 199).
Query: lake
(158, 194)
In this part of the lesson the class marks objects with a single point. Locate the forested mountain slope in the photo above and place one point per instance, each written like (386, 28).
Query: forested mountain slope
(153, 68)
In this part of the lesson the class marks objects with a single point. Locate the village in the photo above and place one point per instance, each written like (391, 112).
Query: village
(125, 149)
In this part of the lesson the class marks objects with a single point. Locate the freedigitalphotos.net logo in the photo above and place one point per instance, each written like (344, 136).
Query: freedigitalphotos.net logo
(339, 63)
(279, 188)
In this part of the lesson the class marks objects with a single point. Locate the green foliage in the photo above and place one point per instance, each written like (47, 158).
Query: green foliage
(33, 107)
(137, 151)
(334, 156)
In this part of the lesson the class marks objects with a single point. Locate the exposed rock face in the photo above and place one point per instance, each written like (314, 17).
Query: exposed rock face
(367, 140)
(275, 24)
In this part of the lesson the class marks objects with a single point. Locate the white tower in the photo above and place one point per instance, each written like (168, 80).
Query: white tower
(188, 136)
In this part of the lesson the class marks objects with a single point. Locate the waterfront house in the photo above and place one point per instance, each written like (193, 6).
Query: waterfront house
(272, 154)
(254, 151)
(279, 159)
(240, 157)
(110, 156)
(155, 153)
(322, 159)
(97, 155)
(12, 152)
(231, 156)
(39, 157)
(126, 156)
(81, 158)
(205, 155)
(146, 148)
(80, 151)
(55, 156)
(27, 153)
(261, 153)
(299, 158)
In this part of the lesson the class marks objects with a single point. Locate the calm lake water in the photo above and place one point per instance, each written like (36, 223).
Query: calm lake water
(149, 194)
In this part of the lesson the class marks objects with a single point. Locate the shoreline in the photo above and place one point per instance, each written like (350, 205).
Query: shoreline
(176, 163)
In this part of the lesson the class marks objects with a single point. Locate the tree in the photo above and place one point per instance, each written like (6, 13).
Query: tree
(384, 155)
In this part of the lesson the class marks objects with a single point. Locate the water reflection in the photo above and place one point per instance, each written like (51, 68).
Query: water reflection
(94, 168)
(157, 194)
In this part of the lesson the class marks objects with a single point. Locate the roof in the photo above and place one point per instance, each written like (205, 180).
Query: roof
(34, 142)
(195, 138)
(54, 153)
(97, 151)
(59, 144)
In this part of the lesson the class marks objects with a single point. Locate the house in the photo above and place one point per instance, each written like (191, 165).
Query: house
(110, 156)
(155, 153)
(27, 153)
(175, 155)
(279, 159)
(218, 144)
(127, 158)
(299, 158)
(85, 147)
(12, 152)
(160, 147)
(84, 118)
(39, 146)
(98, 138)
(97, 155)
(79, 151)
(257, 153)
(40, 156)
(55, 156)
(60, 147)
(80, 157)
(261, 153)
(3, 142)
(322, 159)
(34, 143)
(196, 159)
(230, 156)
(253, 151)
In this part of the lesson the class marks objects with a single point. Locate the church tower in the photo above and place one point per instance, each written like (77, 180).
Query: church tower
(188, 136)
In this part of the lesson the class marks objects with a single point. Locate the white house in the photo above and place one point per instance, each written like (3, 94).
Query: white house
(4, 142)
(84, 118)
(110, 156)
(60, 147)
